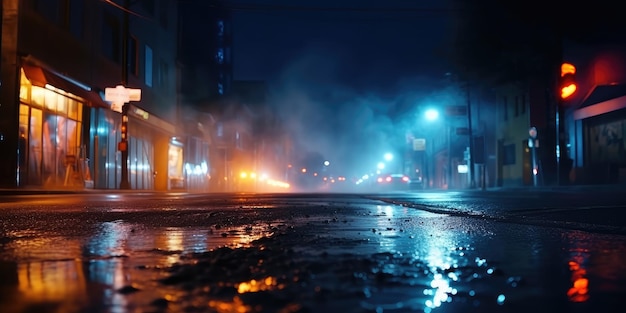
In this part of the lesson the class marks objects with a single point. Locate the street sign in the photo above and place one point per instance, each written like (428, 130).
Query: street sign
(456, 110)
(419, 144)
(532, 132)
(462, 131)
(120, 95)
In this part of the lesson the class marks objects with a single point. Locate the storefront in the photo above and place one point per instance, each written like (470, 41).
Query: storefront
(148, 150)
(54, 151)
(50, 149)
(598, 135)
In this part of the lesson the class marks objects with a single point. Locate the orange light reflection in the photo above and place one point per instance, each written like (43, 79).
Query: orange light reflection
(579, 292)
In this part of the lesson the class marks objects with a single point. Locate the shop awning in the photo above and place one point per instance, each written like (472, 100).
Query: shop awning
(41, 76)
(602, 99)
(146, 118)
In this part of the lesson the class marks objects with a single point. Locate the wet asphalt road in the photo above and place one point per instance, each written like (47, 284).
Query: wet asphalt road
(512, 251)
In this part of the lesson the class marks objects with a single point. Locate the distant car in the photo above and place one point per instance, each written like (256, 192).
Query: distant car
(393, 181)
(416, 183)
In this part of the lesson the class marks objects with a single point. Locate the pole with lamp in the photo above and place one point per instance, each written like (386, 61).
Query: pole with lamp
(120, 96)
(124, 183)
(433, 115)
(567, 88)
(471, 139)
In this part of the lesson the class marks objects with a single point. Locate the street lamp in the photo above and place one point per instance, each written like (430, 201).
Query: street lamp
(432, 115)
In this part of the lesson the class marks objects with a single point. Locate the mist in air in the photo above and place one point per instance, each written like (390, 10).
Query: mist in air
(347, 85)
(349, 116)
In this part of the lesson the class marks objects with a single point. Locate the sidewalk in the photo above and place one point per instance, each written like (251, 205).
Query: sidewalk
(78, 190)
(70, 190)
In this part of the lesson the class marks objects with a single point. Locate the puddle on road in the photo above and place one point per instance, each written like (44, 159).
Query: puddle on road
(392, 259)
(60, 274)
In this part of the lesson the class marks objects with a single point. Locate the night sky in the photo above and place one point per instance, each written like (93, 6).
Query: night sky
(345, 74)
(365, 41)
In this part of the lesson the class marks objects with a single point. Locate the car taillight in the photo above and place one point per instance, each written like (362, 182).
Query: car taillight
(405, 179)
(388, 179)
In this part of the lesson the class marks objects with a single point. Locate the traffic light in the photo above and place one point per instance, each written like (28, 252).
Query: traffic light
(567, 82)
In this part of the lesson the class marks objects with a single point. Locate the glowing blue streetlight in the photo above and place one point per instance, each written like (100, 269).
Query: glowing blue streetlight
(388, 156)
(431, 114)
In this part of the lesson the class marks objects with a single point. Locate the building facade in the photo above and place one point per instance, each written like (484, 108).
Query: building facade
(204, 87)
(58, 60)
(589, 146)
(521, 106)
(596, 115)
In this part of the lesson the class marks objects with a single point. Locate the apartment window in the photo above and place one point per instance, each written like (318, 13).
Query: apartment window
(516, 106)
(110, 44)
(219, 56)
(220, 28)
(523, 107)
(220, 88)
(133, 56)
(238, 141)
(505, 108)
(220, 130)
(148, 66)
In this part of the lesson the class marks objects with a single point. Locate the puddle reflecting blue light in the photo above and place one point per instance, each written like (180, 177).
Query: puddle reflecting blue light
(441, 291)
(110, 241)
(441, 259)
(501, 299)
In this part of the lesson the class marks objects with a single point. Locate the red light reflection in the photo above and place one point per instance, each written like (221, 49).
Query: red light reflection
(579, 292)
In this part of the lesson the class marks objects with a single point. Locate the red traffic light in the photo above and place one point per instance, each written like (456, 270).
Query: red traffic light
(567, 82)
(567, 68)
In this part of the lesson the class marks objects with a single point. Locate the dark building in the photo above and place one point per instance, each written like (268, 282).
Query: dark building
(57, 126)
(205, 50)
(205, 53)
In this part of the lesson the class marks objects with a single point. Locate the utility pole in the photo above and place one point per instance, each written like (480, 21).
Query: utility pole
(471, 137)
(449, 171)
(123, 145)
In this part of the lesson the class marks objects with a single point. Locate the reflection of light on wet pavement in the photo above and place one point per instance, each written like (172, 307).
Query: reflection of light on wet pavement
(174, 242)
(269, 283)
(236, 306)
(419, 248)
(579, 292)
(579, 287)
(440, 260)
(110, 241)
(385, 227)
(53, 282)
(50, 272)
(439, 195)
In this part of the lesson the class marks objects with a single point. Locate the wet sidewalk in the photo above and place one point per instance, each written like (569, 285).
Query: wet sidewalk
(516, 189)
